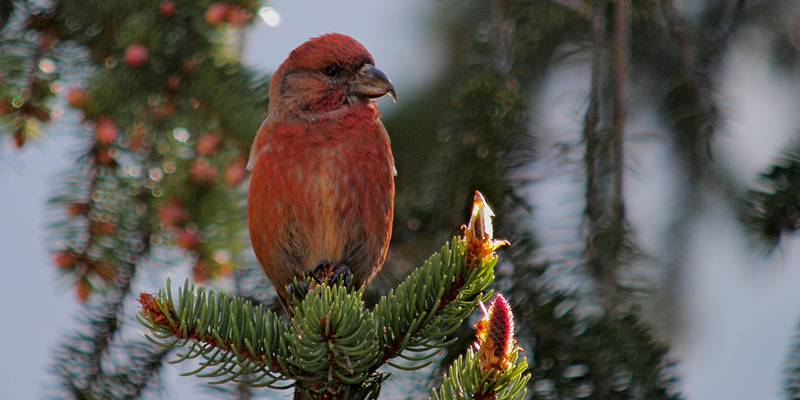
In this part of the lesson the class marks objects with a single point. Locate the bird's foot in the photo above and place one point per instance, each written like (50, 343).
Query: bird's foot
(341, 274)
(332, 273)
(324, 272)
(300, 290)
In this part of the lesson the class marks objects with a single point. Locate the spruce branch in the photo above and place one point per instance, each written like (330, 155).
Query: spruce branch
(142, 121)
(86, 193)
(772, 211)
(608, 243)
(419, 321)
(81, 362)
(720, 34)
(430, 304)
(236, 339)
(213, 322)
(25, 83)
(618, 114)
(493, 369)
(693, 71)
(331, 340)
(464, 380)
(332, 347)
(591, 135)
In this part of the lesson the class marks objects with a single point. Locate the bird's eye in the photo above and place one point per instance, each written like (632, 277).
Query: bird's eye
(331, 70)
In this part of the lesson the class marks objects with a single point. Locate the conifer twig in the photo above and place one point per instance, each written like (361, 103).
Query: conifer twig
(591, 136)
(723, 29)
(603, 136)
(621, 45)
(163, 314)
(677, 29)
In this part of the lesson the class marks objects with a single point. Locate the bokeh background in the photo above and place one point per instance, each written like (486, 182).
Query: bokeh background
(711, 271)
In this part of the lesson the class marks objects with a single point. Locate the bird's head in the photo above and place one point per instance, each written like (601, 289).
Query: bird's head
(325, 74)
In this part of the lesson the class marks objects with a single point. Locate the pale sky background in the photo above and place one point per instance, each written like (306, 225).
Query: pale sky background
(734, 299)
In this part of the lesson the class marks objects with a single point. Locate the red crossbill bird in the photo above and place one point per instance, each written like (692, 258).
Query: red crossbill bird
(322, 185)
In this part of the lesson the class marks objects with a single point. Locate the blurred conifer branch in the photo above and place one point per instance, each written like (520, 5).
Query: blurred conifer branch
(166, 115)
(609, 244)
(772, 211)
(488, 145)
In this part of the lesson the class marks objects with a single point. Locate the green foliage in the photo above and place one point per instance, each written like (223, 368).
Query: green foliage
(332, 343)
(491, 133)
(212, 322)
(331, 339)
(162, 135)
(431, 304)
(772, 212)
(465, 380)
(608, 357)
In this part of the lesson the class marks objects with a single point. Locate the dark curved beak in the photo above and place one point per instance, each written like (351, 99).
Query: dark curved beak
(373, 83)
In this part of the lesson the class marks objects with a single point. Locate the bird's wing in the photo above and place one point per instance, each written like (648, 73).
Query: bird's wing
(258, 144)
(382, 129)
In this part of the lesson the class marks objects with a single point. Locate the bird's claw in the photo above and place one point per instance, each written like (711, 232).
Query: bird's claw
(341, 273)
(298, 291)
(332, 273)
(313, 274)
(324, 272)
